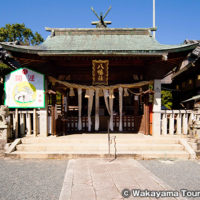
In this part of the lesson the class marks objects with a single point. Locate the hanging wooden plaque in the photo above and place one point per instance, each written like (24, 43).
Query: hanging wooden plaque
(100, 72)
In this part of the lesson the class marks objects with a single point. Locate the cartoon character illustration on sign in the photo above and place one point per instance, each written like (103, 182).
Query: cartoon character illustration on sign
(24, 93)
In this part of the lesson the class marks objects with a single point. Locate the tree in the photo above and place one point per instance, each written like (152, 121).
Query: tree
(166, 99)
(20, 33)
(12, 33)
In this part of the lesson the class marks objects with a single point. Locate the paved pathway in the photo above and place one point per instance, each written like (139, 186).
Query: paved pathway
(93, 179)
(96, 179)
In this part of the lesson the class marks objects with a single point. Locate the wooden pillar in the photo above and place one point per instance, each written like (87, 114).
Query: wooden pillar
(28, 123)
(16, 123)
(22, 124)
(53, 120)
(135, 105)
(156, 126)
(146, 115)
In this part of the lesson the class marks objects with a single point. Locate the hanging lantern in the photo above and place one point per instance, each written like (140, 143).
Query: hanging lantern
(111, 95)
(87, 94)
(71, 92)
(126, 94)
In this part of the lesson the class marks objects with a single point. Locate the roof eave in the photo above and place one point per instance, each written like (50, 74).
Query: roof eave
(101, 53)
(42, 52)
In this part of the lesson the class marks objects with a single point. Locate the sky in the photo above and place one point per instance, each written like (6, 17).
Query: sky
(176, 20)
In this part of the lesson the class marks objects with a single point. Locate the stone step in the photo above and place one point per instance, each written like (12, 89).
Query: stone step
(125, 154)
(99, 140)
(96, 147)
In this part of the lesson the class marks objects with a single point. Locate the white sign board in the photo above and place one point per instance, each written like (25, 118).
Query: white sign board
(24, 88)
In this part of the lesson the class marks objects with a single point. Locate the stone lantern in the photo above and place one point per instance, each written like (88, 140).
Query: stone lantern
(195, 126)
(4, 124)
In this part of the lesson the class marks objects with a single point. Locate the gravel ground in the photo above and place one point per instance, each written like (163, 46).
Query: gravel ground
(31, 179)
(177, 174)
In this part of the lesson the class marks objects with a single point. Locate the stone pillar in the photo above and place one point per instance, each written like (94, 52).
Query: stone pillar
(44, 117)
(156, 124)
(43, 122)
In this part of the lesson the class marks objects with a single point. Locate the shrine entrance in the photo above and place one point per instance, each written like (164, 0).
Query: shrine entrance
(65, 117)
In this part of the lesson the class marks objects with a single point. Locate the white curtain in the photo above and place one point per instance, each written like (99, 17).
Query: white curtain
(109, 105)
(97, 110)
(120, 108)
(111, 97)
(90, 103)
(79, 109)
(106, 95)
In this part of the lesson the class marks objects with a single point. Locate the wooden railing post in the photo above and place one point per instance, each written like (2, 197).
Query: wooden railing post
(182, 117)
(185, 124)
(178, 120)
(164, 124)
(171, 124)
(190, 122)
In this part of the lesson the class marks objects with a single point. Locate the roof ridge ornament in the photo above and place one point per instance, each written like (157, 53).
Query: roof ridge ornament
(101, 23)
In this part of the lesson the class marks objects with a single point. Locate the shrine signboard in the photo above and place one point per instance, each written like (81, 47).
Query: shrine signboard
(24, 88)
(100, 72)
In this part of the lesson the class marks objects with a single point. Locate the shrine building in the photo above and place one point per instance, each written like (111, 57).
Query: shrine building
(101, 77)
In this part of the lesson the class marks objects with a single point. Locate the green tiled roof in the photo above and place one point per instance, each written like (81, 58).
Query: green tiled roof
(106, 41)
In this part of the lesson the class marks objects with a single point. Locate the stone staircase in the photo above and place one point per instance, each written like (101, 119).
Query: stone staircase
(96, 145)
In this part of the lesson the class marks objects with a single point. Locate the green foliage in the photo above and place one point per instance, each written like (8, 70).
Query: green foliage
(18, 32)
(151, 86)
(166, 99)
(4, 69)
